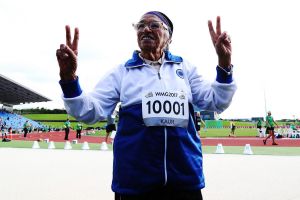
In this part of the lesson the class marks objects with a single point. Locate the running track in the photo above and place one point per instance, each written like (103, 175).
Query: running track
(225, 141)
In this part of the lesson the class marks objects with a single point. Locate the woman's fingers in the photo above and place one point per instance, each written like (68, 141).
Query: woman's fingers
(212, 32)
(64, 52)
(68, 36)
(67, 55)
(215, 34)
(218, 26)
(224, 38)
(75, 41)
(72, 44)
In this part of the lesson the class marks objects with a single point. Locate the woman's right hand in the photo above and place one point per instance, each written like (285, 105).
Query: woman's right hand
(222, 43)
(67, 56)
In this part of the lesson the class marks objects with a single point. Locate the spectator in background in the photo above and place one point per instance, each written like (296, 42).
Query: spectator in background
(30, 129)
(232, 129)
(3, 132)
(110, 126)
(67, 126)
(10, 130)
(1, 126)
(258, 126)
(270, 124)
(199, 122)
(78, 129)
(293, 127)
(26, 128)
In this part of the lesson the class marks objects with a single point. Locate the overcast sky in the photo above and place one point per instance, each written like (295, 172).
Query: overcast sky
(265, 40)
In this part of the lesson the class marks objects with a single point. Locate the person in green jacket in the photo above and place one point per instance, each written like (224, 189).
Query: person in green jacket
(232, 129)
(78, 129)
(67, 126)
(26, 127)
(258, 126)
(270, 123)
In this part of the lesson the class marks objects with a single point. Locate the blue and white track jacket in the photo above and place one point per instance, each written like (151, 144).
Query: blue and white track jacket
(151, 157)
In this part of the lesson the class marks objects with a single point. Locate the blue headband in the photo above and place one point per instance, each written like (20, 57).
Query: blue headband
(163, 18)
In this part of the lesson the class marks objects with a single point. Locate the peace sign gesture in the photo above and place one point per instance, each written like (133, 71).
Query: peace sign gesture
(67, 56)
(221, 42)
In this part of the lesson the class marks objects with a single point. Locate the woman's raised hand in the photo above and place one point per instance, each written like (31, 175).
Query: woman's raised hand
(67, 56)
(222, 43)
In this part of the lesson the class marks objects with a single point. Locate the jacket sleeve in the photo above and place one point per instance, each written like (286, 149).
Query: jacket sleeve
(215, 96)
(96, 105)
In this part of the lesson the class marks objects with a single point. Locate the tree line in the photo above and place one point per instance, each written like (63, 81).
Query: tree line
(40, 111)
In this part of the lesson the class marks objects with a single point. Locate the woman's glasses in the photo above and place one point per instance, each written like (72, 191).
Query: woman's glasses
(154, 25)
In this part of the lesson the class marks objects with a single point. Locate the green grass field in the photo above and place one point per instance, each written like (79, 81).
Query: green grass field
(224, 132)
(283, 151)
(209, 133)
(38, 117)
(44, 145)
(62, 117)
(73, 124)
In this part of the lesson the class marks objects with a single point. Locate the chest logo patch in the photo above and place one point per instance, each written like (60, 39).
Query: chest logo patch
(179, 73)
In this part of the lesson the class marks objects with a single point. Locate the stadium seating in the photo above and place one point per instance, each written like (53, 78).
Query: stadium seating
(17, 121)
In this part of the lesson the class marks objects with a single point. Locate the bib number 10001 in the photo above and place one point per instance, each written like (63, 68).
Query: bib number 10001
(166, 107)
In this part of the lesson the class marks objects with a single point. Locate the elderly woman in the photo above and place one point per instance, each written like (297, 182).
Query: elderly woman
(157, 152)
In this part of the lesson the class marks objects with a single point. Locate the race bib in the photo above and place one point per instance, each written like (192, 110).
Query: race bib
(165, 108)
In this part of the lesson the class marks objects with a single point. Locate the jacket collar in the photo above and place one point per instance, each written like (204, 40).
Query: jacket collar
(136, 61)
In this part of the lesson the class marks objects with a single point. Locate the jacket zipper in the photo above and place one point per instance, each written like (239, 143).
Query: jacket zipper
(165, 157)
(159, 77)
(165, 135)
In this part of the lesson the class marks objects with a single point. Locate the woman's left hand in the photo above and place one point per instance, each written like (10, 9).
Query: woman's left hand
(221, 42)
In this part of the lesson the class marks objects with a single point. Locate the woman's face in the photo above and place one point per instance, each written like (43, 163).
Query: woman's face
(151, 37)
